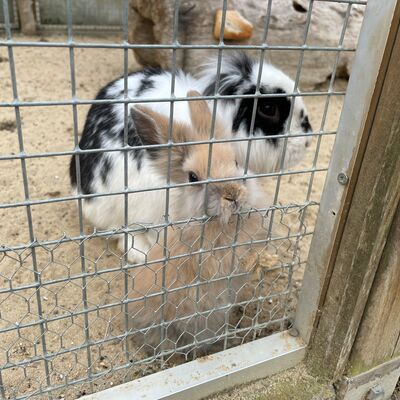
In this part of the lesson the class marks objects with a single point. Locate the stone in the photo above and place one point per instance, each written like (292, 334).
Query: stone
(236, 26)
(27, 17)
(152, 21)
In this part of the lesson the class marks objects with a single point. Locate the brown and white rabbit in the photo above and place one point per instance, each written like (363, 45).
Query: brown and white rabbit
(184, 299)
(147, 168)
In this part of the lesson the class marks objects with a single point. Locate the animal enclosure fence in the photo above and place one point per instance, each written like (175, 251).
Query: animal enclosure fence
(67, 296)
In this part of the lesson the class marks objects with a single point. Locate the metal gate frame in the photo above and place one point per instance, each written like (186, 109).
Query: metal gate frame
(280, 351)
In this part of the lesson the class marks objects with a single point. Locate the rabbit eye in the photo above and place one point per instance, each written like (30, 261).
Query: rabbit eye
(237, 165)
(268, 110)
(193, 177)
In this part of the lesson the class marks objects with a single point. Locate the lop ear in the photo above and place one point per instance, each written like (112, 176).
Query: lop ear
(151, 126)
(200, 114)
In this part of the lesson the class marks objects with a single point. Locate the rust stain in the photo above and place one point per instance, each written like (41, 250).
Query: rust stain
(288, 341)
(204, 359)
(224, 368)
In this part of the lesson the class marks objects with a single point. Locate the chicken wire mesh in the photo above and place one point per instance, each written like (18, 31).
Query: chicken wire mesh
(76, 313)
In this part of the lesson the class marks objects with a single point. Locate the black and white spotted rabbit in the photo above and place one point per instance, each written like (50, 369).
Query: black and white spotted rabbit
(238, 76)
(103, 172)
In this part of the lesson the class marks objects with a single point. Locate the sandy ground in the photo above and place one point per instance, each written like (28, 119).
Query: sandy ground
(292, 384)
(44, 74)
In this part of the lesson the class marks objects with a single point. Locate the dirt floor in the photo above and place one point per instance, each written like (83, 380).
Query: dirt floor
(44, 74)
(292, 384)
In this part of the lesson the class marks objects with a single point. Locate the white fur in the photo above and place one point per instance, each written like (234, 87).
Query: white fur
(162, 89)
(144, 208)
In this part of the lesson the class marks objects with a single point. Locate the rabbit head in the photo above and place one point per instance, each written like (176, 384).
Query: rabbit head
(191, 163)
(277, 115)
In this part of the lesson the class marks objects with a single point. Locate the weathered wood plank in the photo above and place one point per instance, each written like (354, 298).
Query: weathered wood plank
(379, 332)
(371, 210)
(382, 378)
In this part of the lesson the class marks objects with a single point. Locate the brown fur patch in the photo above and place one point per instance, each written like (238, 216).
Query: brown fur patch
(222, 161)
(201, 117)
(155, 129)
(181, 272)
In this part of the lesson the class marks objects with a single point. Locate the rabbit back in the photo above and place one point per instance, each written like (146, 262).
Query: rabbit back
(103, 172)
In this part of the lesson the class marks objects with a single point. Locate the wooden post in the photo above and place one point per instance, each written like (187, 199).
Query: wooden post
(371, 201)
(378, 338)
(375, 356)
(26, 17)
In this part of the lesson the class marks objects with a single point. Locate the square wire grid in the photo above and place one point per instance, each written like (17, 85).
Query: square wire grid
(55, 348)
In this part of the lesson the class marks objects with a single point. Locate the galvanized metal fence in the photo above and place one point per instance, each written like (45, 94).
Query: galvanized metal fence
(71, 329)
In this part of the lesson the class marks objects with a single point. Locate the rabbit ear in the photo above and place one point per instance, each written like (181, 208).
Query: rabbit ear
(200, 114)
(151, 126)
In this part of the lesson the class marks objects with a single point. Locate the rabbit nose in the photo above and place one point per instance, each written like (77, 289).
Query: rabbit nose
(233, 202)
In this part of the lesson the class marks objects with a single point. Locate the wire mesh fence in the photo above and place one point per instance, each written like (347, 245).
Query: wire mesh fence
(222, 261)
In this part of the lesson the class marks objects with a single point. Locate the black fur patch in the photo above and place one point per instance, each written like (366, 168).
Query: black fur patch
(147, 83)
(99, 124)
(305, 123)
(150, 71)
(105, 168)
(225, 89)
(269, 125)
(242, 63)
(241, 66)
